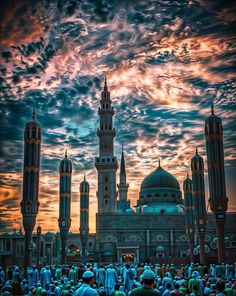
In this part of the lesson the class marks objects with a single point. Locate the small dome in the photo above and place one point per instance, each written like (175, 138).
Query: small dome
(160, 179)
(65, 165)
(213, 118)
(197, 162)
(187, 184)
(84, 186)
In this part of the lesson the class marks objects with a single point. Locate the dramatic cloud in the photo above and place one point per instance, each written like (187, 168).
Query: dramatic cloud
(165, 61)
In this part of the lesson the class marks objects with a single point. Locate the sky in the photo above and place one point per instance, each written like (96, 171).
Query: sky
(166, 62)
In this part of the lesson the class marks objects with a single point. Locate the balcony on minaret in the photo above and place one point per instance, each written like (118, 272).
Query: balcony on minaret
(104, 110)
(106, 161)
(106, 132)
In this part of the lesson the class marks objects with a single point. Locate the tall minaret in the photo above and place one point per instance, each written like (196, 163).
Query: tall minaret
(123, 203)
(30, 203)
(197, 167)
(64, 221)
(106, 163)
(189, 214)
(84, 214)
(216, 174)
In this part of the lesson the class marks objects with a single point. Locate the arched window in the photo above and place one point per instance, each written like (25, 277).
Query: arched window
(106, 179)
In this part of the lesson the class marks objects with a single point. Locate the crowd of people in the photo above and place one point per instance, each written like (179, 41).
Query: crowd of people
(120, 280)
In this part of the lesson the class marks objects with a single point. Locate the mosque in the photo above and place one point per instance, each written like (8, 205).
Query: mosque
(164, 227)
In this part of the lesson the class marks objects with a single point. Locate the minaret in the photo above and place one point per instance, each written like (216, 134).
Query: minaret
(197, 167)
(30, 203)
(123, 203)
(189, 214)
(84, 214)
(216, 174)
(64, 221)
(106, 163)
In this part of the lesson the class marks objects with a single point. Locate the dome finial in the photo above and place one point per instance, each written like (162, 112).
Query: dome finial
(159, 162)
(187, 174)
(66, 153)
(84, 176)
(212, 109)
(105, 83)
(196, 150)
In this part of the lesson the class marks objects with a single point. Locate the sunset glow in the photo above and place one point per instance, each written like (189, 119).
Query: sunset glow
(165, 65)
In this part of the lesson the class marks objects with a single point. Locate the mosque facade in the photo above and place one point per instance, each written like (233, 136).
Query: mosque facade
(157, 230)
(166, 225)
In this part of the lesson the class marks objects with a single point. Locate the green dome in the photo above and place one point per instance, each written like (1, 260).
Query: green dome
(160, 179)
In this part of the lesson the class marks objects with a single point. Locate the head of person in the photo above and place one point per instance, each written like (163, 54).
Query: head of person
(168, 286)
(220, 286)
(148, 278)
(88, 277)
(176, 286)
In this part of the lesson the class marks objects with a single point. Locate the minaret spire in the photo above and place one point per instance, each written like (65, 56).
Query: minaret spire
(84, 214)
(106, 163)
(216, 173)
(189, 214)
(198, 192)
(122, 164)
(30, 202)
(212, 109)
(159, 162)
(64, 220)
(123, 203)
(105, 83)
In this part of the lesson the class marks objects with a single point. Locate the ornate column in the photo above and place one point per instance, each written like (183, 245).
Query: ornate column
(216, 174)
(64, 221)
(30, 203)
(197, 167)
(189, 215)
(106, 164)
(123, 204)
(84, 214)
